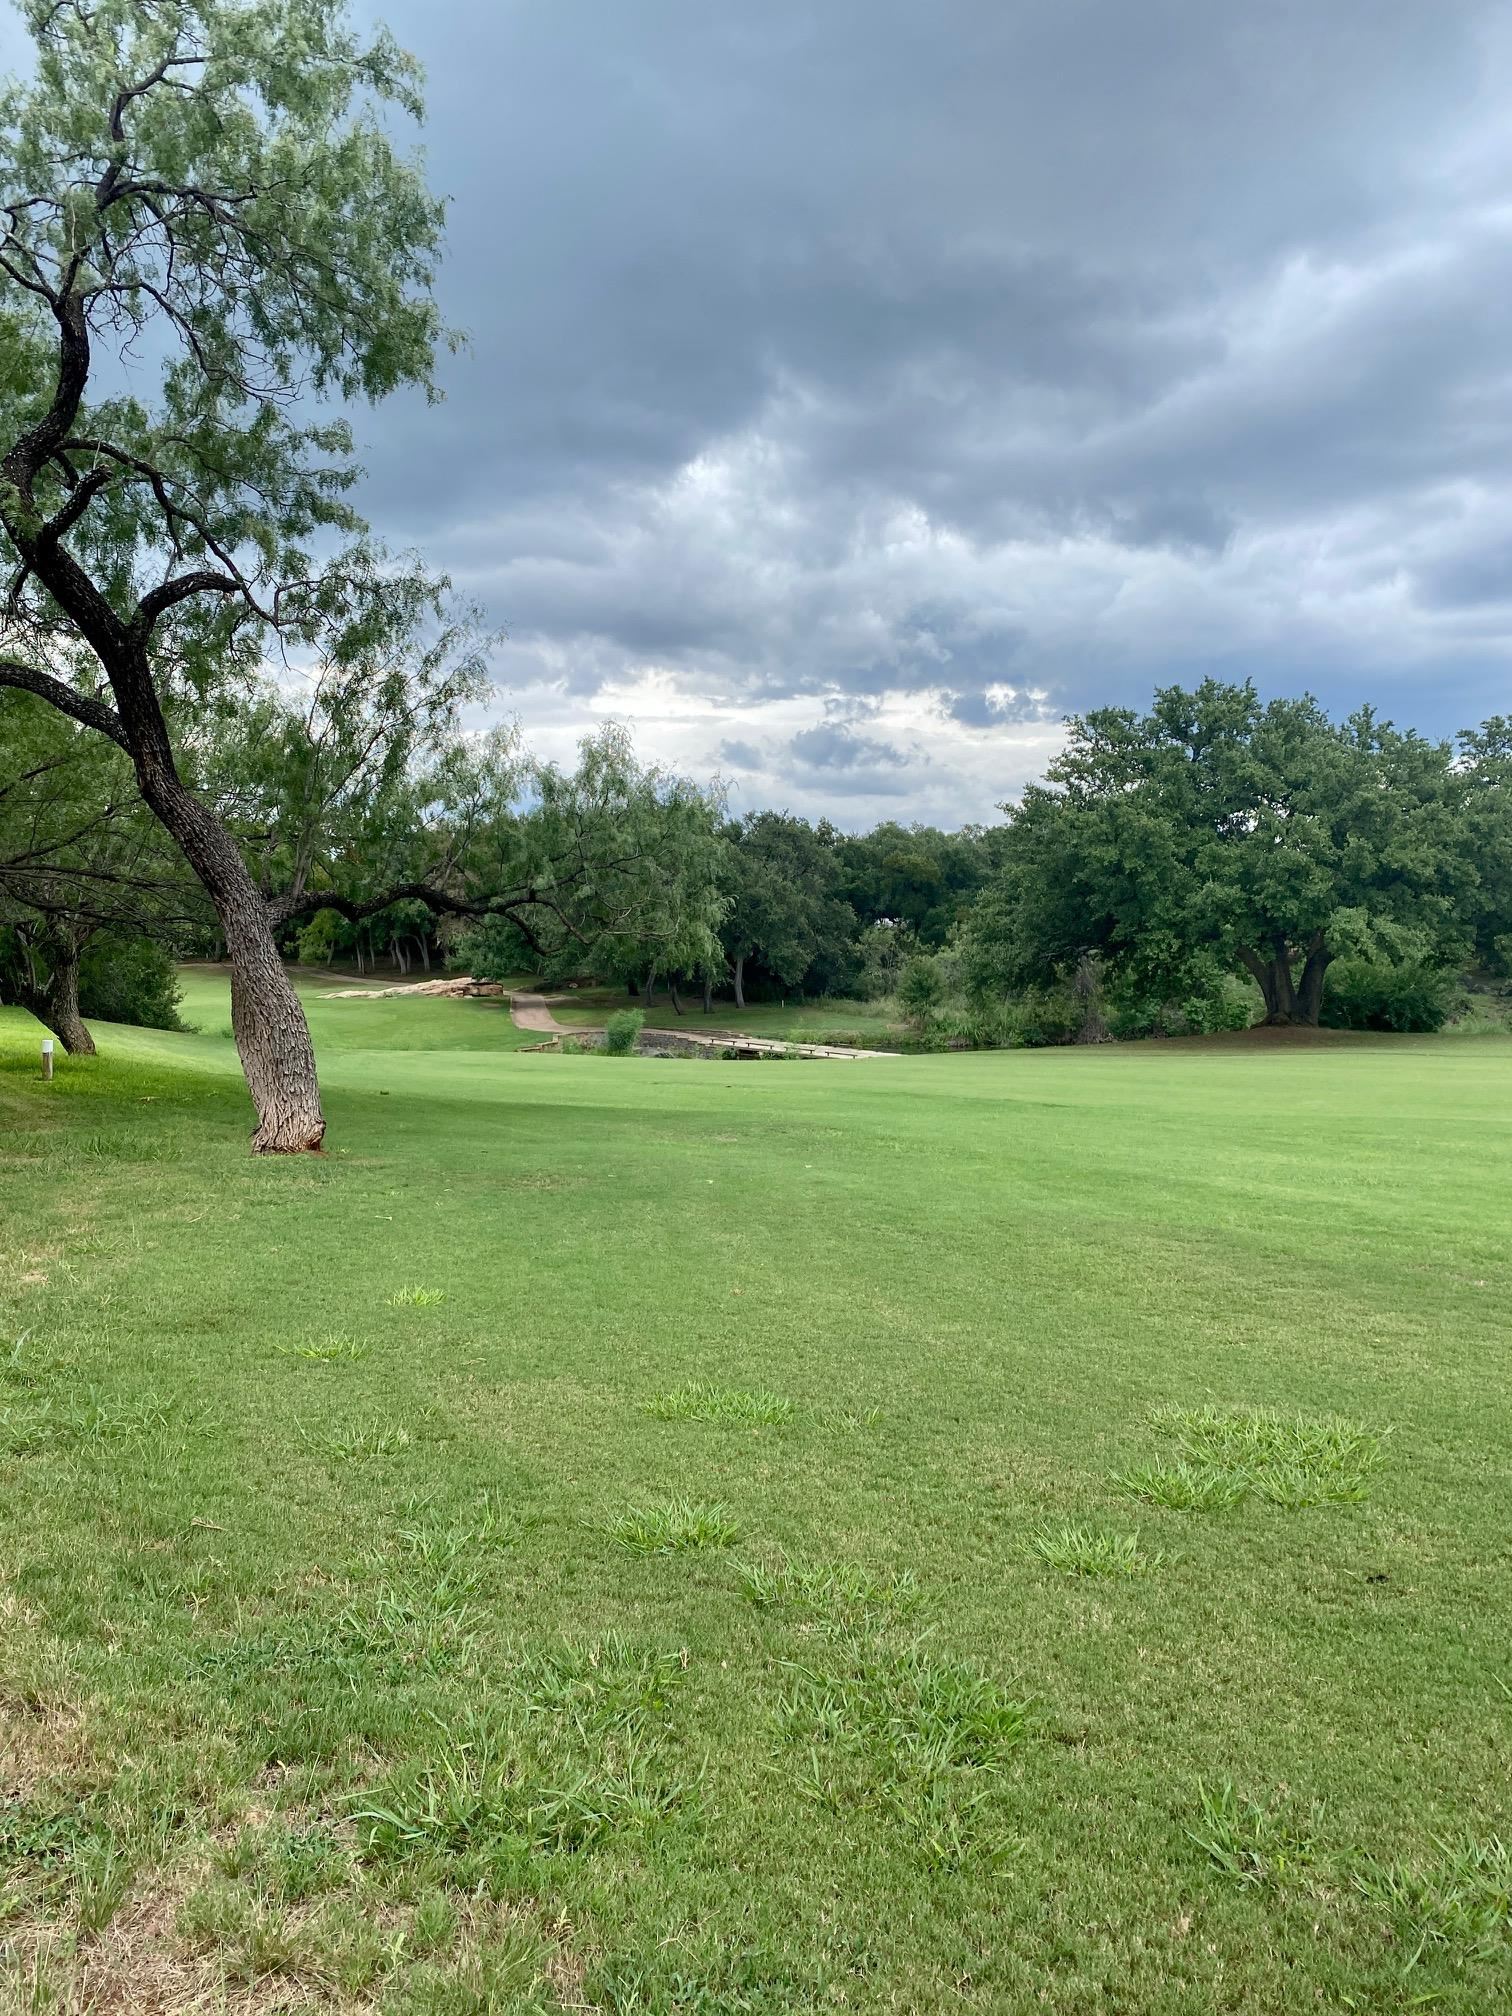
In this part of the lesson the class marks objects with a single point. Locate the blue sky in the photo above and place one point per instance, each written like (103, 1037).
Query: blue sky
(854, 387)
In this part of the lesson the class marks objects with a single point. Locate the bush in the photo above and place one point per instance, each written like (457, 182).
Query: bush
(622, 1030)
(1042, 1017)
(921, 990)
(1412, 995)
(129, 980)
(317, 943)
(1200, 1003)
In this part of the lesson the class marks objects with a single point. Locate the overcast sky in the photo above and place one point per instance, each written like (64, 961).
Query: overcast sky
(857, 386)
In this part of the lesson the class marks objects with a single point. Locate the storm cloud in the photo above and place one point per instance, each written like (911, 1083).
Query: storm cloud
(854, 387)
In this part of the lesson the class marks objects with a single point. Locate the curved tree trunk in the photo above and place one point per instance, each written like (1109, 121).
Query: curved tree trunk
(272, 1035)
(55, 1000)
(708, 992)
(62, 1006)
(648, 991)
(740, 981)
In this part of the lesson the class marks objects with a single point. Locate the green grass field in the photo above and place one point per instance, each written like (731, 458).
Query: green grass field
(676, 1536)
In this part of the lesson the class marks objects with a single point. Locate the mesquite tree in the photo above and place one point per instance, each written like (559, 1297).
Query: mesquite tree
(206, 187)
(612, 867)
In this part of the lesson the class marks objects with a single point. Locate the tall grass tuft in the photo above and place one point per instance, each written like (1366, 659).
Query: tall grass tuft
(1253, 1844)
(700, 1402)
(1092, 1551)
(678, 1527)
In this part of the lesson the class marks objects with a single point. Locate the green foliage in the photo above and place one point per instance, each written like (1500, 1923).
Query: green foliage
(132, 980)
(622, 1032)
(1461, 1900)
(1250, 1843)
(626, 858)
(882, 951)
(1220, 827)
(838, 1597)
(1283, 1459)
(785, 911)
(250, 169)
(86, 874)
(1212, 1000)
(1041, 1017)
(921, 990)
(1404, 996)
(1485, 780)
(915, 880)
(1185, 1487)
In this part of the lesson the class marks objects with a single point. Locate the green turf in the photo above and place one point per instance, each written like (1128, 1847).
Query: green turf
(373, 1026)
(414, 1595)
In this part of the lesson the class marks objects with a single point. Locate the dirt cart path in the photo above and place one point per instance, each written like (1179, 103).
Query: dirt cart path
(533, 1012)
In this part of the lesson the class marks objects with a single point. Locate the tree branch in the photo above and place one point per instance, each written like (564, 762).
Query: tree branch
(79, 706)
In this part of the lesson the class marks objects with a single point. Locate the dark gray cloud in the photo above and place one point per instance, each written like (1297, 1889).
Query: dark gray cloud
(969, 362)
(1009, 358)
(834, 746)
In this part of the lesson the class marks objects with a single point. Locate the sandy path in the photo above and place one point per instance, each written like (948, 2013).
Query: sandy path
(533, 1012)
(530, 1011)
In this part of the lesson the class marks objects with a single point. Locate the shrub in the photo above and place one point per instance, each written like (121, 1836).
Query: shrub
(921, 990)
(1203, 1000)
(129, 980)
(1044, 1016)
(317, 942)
(622, 1031)
(1406, 996)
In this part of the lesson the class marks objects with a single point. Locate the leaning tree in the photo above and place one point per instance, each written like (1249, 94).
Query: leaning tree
(204, 191)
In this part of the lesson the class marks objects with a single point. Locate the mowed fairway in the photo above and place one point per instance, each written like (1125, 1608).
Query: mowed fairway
(385, 1624)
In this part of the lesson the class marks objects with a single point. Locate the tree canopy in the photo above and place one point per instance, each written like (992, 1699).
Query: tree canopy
(785, 909)
(1222, 826)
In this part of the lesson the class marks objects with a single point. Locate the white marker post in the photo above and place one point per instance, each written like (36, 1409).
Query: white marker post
(47, 1050)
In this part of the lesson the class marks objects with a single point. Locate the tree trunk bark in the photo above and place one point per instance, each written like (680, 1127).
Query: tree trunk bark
(1088, 987)
(708, 993)
(55, 1001)
(272, 1035)
(672, 990)
(425, 953)
(1289, 1005)
(1310, 989)
(62, 1002)
(648, 991)
(740, 981)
